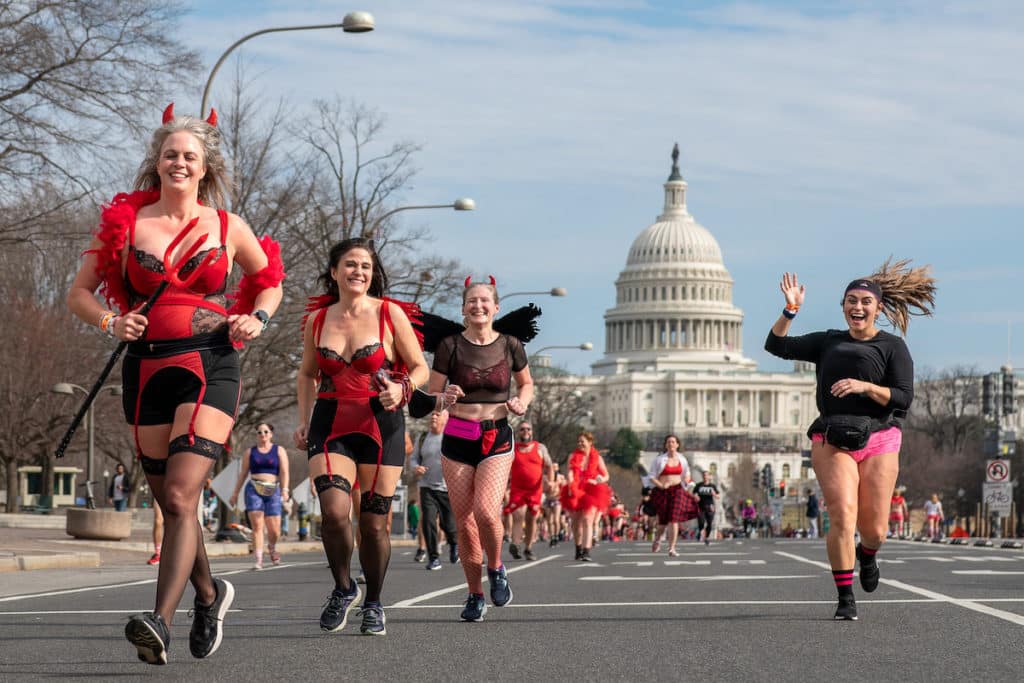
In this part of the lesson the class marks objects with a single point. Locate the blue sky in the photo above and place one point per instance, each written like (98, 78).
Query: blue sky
(817, 137)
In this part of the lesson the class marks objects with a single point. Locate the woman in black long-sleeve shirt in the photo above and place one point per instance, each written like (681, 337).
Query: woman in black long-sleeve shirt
(865, 385)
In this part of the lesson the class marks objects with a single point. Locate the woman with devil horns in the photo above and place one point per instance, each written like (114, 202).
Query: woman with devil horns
(361, 361)
(181, 373)
(478, 362)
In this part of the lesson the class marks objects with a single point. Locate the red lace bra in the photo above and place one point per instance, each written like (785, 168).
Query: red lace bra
(145, 272)
(350, 377)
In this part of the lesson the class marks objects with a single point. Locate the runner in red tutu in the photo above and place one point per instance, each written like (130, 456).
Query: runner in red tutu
(586, 494)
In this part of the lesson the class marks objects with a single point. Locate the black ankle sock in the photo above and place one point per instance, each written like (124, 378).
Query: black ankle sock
(844, 581)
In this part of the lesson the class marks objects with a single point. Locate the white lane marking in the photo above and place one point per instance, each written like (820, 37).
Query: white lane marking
(695, 563)
(462, 586)
(959, 602)
(985, 572)
(637, 564)
(92, 611)
(744, 562)
(752, 577)
(681, 552)
(143, 582)
(985, 558)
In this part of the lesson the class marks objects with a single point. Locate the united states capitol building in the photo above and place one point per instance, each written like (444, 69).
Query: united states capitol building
(673, 356)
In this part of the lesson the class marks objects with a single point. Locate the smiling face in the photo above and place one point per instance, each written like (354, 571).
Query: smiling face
(479, 305)
(354, 271)
(583, 443)
(181, 165)
(861, 309)
(524, 433)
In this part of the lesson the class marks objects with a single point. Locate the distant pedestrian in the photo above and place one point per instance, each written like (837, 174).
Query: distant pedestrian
(670, 496)
(813, 510)
(264, 474)
(707, 496)
(426, 463)
(898, 513)
(933, 516)
(530, 469)
(586, 494)
(118, 493)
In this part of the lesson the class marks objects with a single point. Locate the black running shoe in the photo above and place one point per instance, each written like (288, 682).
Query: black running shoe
(847, 609)
(150, 636)
(339, 604)
(501, 592)
(207, 621)
(374, 623)
(553, 542)
(453, 553)
(528, 554)
(869, 572)
(434, 564)
(475, 608)
(585, 555)
(579, 553)
(513, 550)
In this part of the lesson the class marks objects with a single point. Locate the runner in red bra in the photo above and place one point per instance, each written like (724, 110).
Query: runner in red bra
(352, 425)
(181, 373)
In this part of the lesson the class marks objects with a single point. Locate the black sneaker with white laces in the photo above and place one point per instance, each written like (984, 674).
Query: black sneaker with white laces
(207, 621)
(150, 636)
(339, 604)
(869, 572)
(475, 608)
(847, 608)
(374, 622)
(501, 592)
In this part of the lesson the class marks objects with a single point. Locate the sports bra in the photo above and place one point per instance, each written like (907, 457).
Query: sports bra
(265, 463)
(676, 469)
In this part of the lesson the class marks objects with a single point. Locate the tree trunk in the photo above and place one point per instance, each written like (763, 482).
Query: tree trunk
(12, 486)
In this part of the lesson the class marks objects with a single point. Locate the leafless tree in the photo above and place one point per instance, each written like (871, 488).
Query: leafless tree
(559, 412)
(947, 409)
(75, 77)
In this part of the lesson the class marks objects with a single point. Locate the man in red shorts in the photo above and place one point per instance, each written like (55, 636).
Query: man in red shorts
(531, 467)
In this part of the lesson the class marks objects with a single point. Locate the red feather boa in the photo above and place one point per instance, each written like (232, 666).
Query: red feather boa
(271, 275)
(115, 220)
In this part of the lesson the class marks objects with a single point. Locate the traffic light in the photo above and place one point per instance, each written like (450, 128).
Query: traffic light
(782, 488)
(757, 479)
(1009, 393)
(988, 395)
(767, 480)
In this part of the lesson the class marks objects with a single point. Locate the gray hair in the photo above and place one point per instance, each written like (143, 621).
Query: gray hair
(215, 185)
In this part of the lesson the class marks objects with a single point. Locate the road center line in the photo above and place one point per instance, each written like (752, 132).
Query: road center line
(462, 586)
(757, 577)
(966, 604)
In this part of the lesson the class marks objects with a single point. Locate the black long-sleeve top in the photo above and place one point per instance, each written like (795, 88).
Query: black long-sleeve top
(883, 360)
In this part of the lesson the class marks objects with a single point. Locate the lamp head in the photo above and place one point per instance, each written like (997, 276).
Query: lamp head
(464, 204)
(586, 346)
(357, 22)
(558, 291)
(62, 388)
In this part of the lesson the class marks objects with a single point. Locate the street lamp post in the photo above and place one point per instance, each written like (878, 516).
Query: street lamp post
(554, 291)
(585, 346)
(354, 22)
(460, 204)
(70, 389)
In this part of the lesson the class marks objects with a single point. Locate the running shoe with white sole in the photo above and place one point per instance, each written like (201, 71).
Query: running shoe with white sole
(501, 592)
(336, 610)
(150, 636)
(475, 608)
(207, 621)
(374, 622)
(847, 608)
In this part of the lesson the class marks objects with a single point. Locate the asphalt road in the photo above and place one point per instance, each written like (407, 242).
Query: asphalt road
(740, 610)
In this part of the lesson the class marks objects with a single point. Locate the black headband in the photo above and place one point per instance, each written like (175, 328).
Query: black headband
(866, 285)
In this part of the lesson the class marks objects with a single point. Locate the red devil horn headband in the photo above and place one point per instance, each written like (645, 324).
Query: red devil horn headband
(169, 115)
(492, 283)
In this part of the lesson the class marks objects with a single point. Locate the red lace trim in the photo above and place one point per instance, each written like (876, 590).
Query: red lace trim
(411, 309)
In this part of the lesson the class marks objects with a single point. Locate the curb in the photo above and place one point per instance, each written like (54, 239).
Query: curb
(53, 561)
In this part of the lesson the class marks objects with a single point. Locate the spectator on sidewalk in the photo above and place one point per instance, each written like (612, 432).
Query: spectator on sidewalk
(813, 510)
(118, 493)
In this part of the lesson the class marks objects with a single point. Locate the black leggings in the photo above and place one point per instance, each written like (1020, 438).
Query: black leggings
(705, 517)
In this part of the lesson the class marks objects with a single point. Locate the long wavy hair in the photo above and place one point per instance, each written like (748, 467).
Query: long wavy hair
(378, 280)
(906, 291)
(215, 185)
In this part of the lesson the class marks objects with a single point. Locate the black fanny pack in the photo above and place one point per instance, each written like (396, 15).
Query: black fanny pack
(851, 432)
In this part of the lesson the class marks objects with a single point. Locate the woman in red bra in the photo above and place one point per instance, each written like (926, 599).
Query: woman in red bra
(361, 361)
(670, 496)
(181, 372)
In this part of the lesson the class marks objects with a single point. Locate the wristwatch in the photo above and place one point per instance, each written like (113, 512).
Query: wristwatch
(262, 316)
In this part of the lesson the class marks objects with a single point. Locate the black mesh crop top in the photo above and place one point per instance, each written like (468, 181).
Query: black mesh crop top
(484, 372)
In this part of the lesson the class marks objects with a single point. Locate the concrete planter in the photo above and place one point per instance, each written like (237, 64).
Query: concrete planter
(99, 524)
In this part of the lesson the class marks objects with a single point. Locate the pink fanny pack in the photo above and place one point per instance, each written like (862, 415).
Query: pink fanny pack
(463, 429)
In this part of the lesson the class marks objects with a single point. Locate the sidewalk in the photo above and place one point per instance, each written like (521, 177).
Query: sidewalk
(29, 542)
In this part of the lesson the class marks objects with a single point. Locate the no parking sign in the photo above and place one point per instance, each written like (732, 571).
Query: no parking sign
(997, 471)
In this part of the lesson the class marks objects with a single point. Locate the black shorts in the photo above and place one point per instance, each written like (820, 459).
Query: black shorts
(470, 452)
(172, 385)
(357, 446)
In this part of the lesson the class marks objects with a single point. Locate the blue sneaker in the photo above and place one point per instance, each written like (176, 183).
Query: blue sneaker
(373, 621)
(501, 592)
(475, 608)
(339, 604)
(434, 564)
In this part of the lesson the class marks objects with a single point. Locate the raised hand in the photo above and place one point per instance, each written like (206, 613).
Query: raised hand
(792, 290)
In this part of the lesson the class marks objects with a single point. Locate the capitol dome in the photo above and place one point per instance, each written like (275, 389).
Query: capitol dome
(674, 297)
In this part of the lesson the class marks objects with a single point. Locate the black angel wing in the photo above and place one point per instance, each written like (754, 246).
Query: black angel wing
(521, 323)
(435, 328)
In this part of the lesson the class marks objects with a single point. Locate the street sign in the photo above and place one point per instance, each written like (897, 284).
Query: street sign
(998, 497)
(997, 471)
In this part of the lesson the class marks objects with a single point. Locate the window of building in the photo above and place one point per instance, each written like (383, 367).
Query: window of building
(713, 469)
(785, 470)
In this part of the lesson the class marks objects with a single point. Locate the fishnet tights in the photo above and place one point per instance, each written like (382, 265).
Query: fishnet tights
(476, 494)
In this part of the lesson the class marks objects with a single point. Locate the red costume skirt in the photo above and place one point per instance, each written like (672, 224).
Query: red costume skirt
(673, 504)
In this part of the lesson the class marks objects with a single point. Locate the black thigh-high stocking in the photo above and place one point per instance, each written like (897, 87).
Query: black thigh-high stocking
(336, 535)
(182, 555)
(374, 550)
